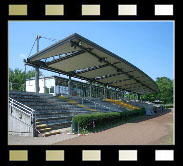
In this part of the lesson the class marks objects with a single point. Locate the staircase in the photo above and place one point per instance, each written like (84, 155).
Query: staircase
(51, 113)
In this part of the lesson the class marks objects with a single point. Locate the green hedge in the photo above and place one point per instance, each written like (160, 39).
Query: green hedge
(100, 121)
(168, 106)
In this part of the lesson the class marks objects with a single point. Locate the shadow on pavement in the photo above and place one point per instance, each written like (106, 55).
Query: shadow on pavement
(148, 117)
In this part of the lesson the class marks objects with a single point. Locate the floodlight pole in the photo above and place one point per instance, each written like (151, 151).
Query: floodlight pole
(25, 77)
(37, 69)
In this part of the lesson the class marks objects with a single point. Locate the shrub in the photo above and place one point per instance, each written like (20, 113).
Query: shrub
(99, 121)
(168, 106)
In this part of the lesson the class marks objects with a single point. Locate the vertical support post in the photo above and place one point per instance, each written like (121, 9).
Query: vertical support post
(69, 86)
(59, 82)
(123, 95)
(104, 92)
(138, 96)
(76, 89)
(115, 94)
(34, 125)
(25, 77)
(107, 91)
(10, 85)
(55, 93)
(37, 69)
(90, 89)
(37, 79)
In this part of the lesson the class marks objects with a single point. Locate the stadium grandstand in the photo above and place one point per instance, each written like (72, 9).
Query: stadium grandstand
(49, 103)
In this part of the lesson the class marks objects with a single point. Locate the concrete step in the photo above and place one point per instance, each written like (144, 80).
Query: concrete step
(51, 118)
(28, 93)
(45, 130)
(54, 125)
(42, 108)
(51, 107)
(69, 112)
(35, 103)
(24, 97)
(51, 133)
(41, 126)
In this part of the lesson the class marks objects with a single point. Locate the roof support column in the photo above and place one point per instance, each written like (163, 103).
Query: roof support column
(90, 90)
(37, 79)
(25, 78)
(116, 94)
(69, 86)
(138, 96)
(82, 90)
(128, 95)
(37, 69)
(104, 92)
(123, 94)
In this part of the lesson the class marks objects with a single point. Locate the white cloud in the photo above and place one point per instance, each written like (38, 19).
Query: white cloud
(23, 56)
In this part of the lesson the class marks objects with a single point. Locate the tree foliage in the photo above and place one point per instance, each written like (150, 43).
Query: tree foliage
(166, 89)
(165, 93)
(17, 78)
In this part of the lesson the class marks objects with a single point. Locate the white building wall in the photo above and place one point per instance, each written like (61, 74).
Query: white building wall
(30, 86)
(49, 82)
(46, 85)
(43, 83)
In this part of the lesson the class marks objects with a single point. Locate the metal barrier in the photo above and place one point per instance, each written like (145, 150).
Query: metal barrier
(25, 110)
(109, 109)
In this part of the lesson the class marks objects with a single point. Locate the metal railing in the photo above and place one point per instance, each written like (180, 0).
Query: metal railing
(98, 104)
(24, 109)
(21, 107)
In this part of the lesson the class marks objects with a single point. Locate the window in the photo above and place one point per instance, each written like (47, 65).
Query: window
(52, 89)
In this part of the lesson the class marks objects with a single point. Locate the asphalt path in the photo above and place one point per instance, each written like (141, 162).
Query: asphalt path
(147, 130)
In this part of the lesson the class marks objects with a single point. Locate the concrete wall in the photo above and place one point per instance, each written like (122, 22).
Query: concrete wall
(19, 123)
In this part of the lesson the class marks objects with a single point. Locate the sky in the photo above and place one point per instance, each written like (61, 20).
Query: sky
(147, 45)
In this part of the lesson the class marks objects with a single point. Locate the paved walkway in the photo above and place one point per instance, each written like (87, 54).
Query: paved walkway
(148, 130)
(27, 140)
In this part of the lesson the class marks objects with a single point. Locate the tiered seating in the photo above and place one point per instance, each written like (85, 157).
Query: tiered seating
(56, 112)
(92, 104)
(123, 104)
(76, 102)
(51, 113)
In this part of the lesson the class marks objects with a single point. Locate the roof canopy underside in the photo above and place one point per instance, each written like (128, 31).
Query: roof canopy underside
(78, 57)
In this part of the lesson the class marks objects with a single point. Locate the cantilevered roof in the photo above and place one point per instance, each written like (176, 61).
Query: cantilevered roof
(79, 57)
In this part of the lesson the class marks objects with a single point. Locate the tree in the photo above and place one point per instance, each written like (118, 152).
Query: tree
(165, 93)
(165, 89)
(17, 78)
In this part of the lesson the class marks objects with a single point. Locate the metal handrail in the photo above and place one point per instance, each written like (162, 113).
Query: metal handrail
(21, 110)
(99, 104)
(22, 106)
(26, 110)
